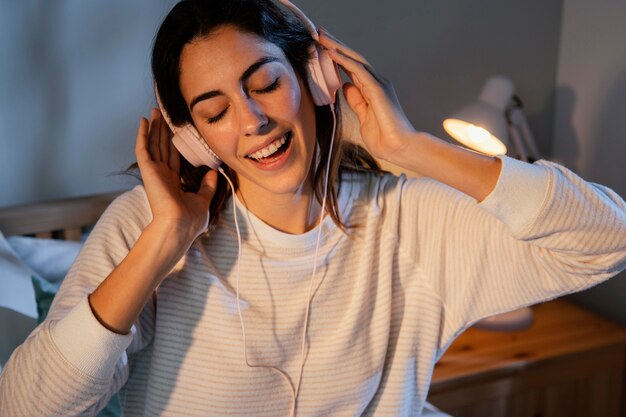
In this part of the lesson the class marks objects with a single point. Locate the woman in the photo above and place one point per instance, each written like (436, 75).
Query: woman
(151, 306)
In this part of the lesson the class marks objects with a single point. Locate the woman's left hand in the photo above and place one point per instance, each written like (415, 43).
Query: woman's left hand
(385, 128)
(388, 134)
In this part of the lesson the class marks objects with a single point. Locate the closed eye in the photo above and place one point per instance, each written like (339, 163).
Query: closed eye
(214, 119)
(273, 86)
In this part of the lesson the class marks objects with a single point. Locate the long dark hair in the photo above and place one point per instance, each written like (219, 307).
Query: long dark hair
(192, 19)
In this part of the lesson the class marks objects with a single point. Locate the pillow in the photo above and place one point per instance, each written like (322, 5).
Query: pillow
(16, 290)
(31, 272)
(44, 294)
(48, 258)
(18, 310)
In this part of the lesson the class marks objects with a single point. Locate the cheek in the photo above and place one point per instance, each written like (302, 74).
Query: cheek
(298, 110)
(288, 103)
(222, 141)
(307, 113)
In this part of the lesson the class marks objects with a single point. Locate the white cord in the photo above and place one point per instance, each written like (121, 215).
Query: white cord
(317, 246)
(243, 326)
(296, 390)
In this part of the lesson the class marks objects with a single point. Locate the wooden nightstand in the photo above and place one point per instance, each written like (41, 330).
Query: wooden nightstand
(570, 362)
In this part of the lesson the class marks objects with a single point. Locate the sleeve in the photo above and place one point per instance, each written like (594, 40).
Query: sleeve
(541, 233)
(70, 364)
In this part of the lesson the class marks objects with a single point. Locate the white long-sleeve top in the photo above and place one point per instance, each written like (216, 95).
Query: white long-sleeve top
(423, 263)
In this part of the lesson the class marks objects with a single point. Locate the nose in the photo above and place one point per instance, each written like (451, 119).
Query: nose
(253, 117)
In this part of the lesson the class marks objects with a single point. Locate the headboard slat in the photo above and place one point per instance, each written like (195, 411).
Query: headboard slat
(67, 215)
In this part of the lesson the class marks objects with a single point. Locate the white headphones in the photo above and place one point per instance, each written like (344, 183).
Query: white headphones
(322, 78)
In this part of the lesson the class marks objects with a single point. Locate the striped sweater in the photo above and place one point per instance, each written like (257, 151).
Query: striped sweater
(423, 263)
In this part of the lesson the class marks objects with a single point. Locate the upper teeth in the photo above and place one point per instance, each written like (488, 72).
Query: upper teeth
(269, 149)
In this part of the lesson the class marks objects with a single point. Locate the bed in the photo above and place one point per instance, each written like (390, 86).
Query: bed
(38, 240)
(59, 219)
(38, 243)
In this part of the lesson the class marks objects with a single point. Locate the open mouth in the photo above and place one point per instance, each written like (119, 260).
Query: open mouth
(273, 151)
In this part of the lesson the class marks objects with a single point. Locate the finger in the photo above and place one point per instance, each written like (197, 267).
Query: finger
(141, 146)
(329, 41)
(361, 77)
(343, 49)
(153, 136)
(333, 44)
(208, 184)
(379, 78)
(164, 148)
(174, 159)
(355, 100)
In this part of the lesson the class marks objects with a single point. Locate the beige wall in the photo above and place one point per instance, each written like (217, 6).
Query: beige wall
(78, 77)
(590, 115)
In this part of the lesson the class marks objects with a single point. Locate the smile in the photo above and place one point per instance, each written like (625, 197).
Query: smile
(277, 147)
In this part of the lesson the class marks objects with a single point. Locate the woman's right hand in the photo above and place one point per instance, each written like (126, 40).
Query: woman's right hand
(159, 163)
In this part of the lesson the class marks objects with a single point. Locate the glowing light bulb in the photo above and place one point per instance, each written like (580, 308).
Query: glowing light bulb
(474, 137)
(477, 134)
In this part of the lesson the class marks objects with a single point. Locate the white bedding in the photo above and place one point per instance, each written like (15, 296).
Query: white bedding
(20, 259)
(16, 289)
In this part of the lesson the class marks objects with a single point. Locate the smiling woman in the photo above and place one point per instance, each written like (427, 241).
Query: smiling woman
(221, 68)
(285, 306)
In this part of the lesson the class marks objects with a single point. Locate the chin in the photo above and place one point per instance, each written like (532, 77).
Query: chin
(287, 183)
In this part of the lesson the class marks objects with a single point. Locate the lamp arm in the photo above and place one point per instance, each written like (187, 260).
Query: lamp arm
(518, 119)
(516, 141)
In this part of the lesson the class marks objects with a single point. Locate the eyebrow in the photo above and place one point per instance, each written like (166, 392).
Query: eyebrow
(244, 77)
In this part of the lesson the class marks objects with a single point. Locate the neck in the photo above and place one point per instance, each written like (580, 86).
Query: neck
(293, 213)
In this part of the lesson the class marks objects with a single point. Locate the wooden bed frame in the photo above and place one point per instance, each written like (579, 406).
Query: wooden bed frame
(58, 219)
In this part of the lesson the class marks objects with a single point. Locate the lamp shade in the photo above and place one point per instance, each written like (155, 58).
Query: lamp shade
(482, 125)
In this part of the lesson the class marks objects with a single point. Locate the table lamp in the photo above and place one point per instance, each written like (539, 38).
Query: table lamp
(494, 122)
(490, 125)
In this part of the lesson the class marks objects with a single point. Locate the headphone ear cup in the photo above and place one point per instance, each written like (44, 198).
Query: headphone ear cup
(189, 142)
(330, 72)
(193, 148)
(323, 74)
(323, 78)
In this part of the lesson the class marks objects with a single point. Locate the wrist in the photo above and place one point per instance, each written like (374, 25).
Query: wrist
(167, 243)
(403, 155)
(470, 172)
(179, 232)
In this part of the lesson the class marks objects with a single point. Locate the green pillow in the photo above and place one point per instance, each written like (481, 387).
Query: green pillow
(44, 294)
